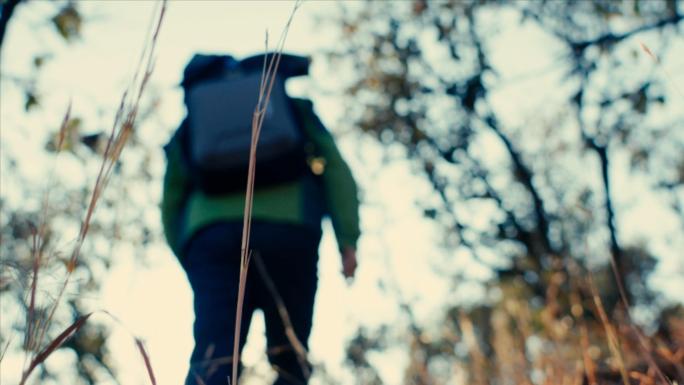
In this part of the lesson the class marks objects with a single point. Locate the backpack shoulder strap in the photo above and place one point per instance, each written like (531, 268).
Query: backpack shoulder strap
(180, 139)
(307, 117)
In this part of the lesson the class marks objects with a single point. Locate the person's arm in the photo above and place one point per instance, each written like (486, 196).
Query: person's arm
(341, 192)
(349, 262)
(175, 190)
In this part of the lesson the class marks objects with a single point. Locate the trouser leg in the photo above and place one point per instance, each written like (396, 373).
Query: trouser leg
(290, 282)
(212, 264)
(285, 354)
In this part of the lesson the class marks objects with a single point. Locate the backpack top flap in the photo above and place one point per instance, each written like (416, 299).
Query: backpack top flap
(220, 117)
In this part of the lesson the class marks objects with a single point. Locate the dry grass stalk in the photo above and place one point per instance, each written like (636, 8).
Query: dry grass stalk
(38, 243)
(268, 77)
(508, 342)
(643, 343)
(611, 335)
(502, 342)
(4, 350)
(478, 361)
(658, 63)
(146, 357)
(124, 124)
(299, 348)
(589, 365)
(564, 364)
(54, 345)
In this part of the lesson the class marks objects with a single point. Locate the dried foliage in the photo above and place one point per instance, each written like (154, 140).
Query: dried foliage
(42, 306)
(535, 201)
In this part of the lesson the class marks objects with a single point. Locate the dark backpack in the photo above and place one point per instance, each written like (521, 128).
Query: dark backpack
(220, 95)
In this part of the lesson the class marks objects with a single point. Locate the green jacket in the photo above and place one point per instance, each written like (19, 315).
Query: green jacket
(185, 209)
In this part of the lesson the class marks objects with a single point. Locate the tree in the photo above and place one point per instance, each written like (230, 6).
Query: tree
(427, 79)
(49, 269)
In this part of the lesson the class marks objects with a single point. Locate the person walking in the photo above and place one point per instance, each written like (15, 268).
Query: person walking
(204, 231)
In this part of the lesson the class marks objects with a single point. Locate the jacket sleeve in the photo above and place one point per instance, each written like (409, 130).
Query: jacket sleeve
(341, 194)
(176, 188)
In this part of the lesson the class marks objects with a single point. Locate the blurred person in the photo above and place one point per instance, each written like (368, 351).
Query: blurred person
(203, 205)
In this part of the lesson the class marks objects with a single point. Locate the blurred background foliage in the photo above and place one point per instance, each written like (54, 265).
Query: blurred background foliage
(425, 79)
(537, 209)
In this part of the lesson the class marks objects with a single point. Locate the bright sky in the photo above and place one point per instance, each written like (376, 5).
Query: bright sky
(155, 302)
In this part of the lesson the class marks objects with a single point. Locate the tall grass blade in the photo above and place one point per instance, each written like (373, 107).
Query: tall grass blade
(658, 63)
(296, 344)
(124, 123)
(146, 358)
(4, 350)
(54, 345)
(611, 335)
(478, 360)
(266, 85)
(39, 239)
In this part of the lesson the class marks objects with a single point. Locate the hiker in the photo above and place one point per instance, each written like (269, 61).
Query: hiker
(202, 212)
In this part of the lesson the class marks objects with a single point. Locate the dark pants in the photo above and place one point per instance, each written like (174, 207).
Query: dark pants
(212, 263)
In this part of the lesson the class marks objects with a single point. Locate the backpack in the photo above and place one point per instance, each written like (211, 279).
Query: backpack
(220, 95)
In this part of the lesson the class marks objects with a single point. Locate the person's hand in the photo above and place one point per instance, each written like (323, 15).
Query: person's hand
(349, 262)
